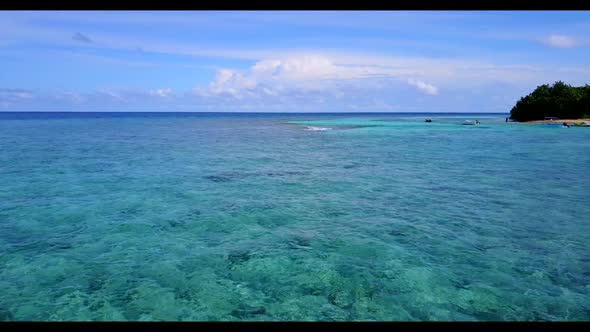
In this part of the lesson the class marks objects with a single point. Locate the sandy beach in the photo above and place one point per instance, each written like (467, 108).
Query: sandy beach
(560, 121)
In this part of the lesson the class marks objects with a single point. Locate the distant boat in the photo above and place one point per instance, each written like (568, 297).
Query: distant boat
(470, 123)
(427, 120)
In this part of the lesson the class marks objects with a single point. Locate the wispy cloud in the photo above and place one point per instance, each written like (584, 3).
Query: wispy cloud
(307, 59)
(11, 97)
(419, 66)
(163, 93)
(561, 41)
(15, 94)
(89, 57)
(69, 97)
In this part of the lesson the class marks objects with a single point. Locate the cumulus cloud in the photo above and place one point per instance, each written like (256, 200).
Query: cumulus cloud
(426, 88)
(337, 74)
(561, 41)
(274, 75)
(305, 74)
(81, 38)
(230, 82)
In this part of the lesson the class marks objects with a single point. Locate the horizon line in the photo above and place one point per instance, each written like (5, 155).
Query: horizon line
(231, 112)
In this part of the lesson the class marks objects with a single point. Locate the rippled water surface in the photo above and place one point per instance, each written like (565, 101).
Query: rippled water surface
(292, 217)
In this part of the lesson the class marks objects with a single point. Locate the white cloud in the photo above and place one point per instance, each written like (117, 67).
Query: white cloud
(325, 72)
(426, 88)
(298, 68)
(561, 41)
(111, 95)
(340, 73)
(306, 73)
(163, 93)
(288, 76)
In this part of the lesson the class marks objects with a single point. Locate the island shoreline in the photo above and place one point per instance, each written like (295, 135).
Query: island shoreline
(559, 121)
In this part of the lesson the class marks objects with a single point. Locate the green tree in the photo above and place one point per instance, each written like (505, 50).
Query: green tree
(559, 100)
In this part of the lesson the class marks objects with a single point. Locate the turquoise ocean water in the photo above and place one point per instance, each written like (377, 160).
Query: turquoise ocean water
(292, 217)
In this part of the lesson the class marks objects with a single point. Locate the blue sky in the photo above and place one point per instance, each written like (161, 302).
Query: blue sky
(286, 61)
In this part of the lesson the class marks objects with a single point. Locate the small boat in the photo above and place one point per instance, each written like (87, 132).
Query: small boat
(427, 120)
(471, 123)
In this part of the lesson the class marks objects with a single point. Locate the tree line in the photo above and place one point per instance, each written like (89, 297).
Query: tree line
(558, 100)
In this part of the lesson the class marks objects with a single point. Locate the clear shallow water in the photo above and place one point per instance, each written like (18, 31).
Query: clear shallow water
(255, 217)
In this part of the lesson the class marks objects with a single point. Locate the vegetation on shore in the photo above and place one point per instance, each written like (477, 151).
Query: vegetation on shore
(558, 100)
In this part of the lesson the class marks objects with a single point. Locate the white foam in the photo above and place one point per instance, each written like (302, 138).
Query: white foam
(312, 128)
